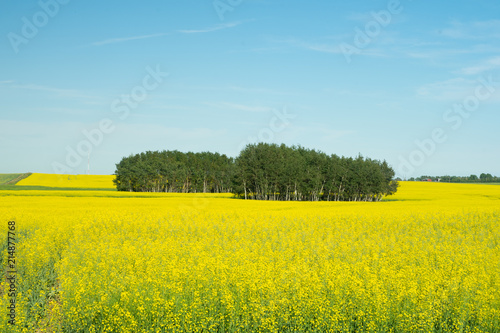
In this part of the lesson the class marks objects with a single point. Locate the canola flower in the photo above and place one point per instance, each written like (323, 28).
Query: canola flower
(425, 260)
(74, 181)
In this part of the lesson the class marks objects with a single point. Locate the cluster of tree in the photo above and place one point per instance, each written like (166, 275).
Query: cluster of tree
(272, 172)
(483, 178)
(174, 171)
(261, 171)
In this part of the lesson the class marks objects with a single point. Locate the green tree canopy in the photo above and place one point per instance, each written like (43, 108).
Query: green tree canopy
(262, 172)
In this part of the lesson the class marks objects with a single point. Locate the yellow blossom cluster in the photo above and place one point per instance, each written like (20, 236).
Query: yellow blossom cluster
(425, 260)
(74, 181)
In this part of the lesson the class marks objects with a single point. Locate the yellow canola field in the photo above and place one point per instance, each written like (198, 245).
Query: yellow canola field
(73, 181)
(425, 260)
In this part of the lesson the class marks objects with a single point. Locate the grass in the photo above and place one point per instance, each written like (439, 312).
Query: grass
(4, 187)
(12, 178)
(5, 177)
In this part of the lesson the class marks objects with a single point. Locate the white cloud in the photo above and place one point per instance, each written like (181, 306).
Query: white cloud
(241, 107)
(472, 30)
(487, 65)
(55, 91)
(450, 53)
(325, 48)
(452, 89)
(211, 29)
(456, 90)
(391, 44)
(58, 91)
(161, 34)
(33, 146)
(314, 132)
(128, 138)
(239, 89)
(332, 45)
(313, 46)
(126, 39)
(38, 135)
(359, 16)
(164, 133)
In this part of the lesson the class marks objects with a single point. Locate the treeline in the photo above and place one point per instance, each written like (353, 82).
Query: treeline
(174, 171)
(272, 172)
(482, 178)
(262, 172)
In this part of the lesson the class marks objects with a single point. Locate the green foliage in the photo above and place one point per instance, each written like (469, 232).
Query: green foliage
(5, 177)
(174, 171)
(12, 178)
(483, 178)
(272, 172)
(261, 171)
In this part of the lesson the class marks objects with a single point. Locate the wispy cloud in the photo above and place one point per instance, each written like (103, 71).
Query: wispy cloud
(321, 133)
(452, 53)
(349, 93)
(314, 46)
(324, 48)
(239, 89)
(253, 90)
(329, 134)
(472, 30)
(487, 65)
(126, 39)
(241, 107)
(458, 90)
(211, 29)
(161, 34)
(432, 48)
(58, 92)
(359, 16)
(330, 47)
(449, 90)
(460, 39)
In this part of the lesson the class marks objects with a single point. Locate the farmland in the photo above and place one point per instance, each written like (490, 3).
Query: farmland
(68, 181)
(12, 178)
(424, 260)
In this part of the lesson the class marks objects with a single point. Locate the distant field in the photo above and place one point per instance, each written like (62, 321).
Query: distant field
(475, 183)
(12, 178)
(69, 181)
(5, 177)
(20, 188)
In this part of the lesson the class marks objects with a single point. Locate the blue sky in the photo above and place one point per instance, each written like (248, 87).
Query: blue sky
(416, 83)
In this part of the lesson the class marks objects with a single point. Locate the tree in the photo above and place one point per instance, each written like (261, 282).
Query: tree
(174, 171)
(272, 172)
(261, 171)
